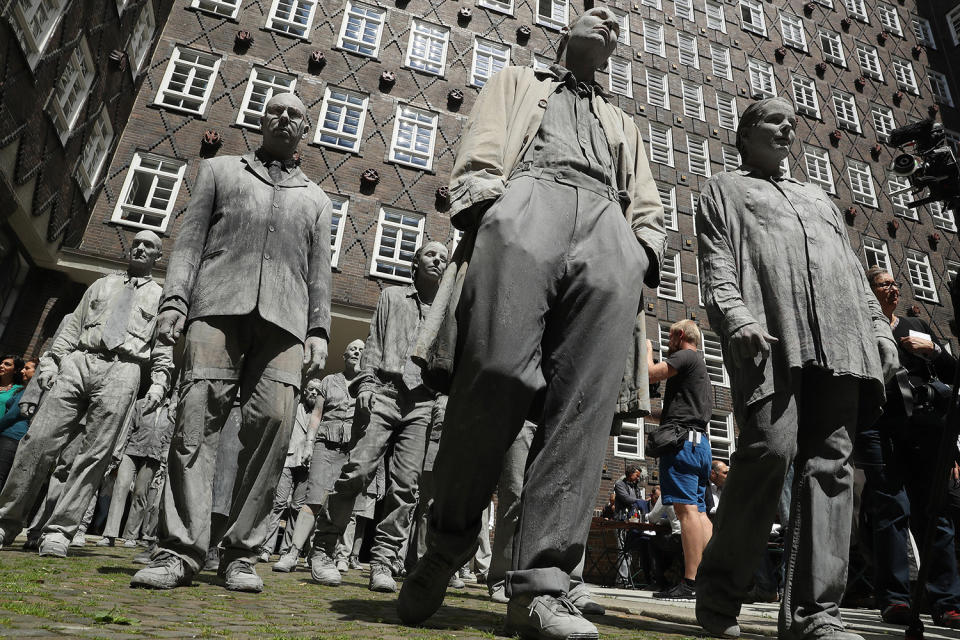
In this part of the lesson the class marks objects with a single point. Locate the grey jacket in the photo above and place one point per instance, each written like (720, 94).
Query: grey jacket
(247, 244)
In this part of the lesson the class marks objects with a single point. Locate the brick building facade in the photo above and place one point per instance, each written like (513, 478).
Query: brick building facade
(388, 86)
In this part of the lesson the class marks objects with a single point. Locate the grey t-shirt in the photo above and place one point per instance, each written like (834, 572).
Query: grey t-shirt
(688, 398)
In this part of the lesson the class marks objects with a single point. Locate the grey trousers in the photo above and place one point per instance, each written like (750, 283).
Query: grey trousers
(224, 356)
(290, 497)
(136, 472)
(509, 489)
(401, 420)
(55, 485)
(151, 519)
(87, 386)
(348, 546)
(547, 309)
(811, 425)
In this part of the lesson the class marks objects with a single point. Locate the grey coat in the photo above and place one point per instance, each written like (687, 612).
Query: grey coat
(248, 245)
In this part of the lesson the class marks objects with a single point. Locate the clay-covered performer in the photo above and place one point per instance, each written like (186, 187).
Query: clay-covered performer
(250, 278)
(809, 350)
(391, 395)
(92, 373)
(553, 187)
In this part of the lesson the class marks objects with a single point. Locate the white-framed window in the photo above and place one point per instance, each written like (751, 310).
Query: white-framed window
(630, 442)
(94, 158)
(943, 217)
(857, 9)
(222, 8)
(861, 183)
(818, 168)
(761, 78)
(500, 6)
(940, 87)
(953, 24)
(399, 234)
(805, 96)
(720, 61)
(875, 253)
(694, 207)
(337, 224)
(670, 278)
(903, 72)
(456, 239)
(898, 190)
(715, 17)
(832, 47)
(731, 158)
(792, 29)
(653, 38)
(342, 115)
(553, 13)
(722, 440)
(668, 197)
(139, 44)
(751, 17)
(713, 357)
(541, 63)
(658, 91)
(149, 192)
(869, 61)
(654, 4)
(825, 3)
(72, 88)
(427, 47)
(33, 22)
(661, 144)
(698, 156)
(887, 14)
(188, 81)
(845, 108)
(683, 9)
(623, 19)
(692, 99)
(361, 29)
(262, 85)
(953, 268)
(488, 58)
(620, 77)
(921, 276)
(883, 122)
(687, 49)
(414, 134)
(923, 31)
(727, 115)
(292, 17)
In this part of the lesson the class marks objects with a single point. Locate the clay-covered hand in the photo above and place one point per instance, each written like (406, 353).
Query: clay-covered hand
(314, 355)
(169, 326)
(889, 358)
(27, 409)
(46, 376)
(365, 402)
(153, 399)
(306, 453)
(749, 340)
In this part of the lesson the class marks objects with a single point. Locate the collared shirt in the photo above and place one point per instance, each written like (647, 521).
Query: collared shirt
(338, 407)
(151, 434)
(84, 330)
(775, 251)
(570, 135)
(393, 336)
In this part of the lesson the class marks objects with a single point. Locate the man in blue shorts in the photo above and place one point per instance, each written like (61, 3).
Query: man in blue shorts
(684, 473)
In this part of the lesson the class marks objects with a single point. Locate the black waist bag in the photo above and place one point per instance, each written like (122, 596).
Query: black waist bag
(666, 439)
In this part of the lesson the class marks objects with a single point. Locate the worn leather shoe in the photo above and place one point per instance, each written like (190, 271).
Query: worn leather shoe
(54, 545)
(212, 562)
(288, 562)
(423, 591)
(546, 617)
(381, 578)
(323, 570)
(717, 624)
(342, 566)
(240, 575)
(583, 600)
(165, 571)
(832, 632)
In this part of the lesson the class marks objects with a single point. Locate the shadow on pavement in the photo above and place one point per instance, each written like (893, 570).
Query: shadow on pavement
(450, 618)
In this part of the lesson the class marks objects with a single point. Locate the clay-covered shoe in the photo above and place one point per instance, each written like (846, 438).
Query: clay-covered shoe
(717, 624)
(546, 617)
(106, 542)
(833, 632)
(354, 563)
(323, 569)
(145, 556)
(423, 590)
(498, 593)
(79, 540)
(129, 544)
(165, 571)
(212, 561)
(54, 545)
(342, 566)
(288, 562)
(381, 578)
(583, 600)
(240, 575)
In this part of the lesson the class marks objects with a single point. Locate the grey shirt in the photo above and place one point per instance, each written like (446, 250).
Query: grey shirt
(151, 433)
(775, 251)
(338, 406)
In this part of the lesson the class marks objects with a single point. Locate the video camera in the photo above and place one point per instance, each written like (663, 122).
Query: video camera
(930, 164)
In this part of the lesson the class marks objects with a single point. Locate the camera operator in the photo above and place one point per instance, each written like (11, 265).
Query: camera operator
(896, 456)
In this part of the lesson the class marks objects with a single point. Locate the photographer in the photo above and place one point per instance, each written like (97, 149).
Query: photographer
(896, 456)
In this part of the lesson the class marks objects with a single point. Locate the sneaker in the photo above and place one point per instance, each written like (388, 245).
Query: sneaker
(896, 613)
(129, 544)
(832, 632)
(288, 562)
(546, 617)
(718, 624)
(144, 556)
(354, 562)
(456, 582)
(166, 571)
(240, 575)
(583, 600)
(323, 570)
(381, 578)
(498, 593)
(467, 575)
(342, 566)
(949, 619)
(32, 544)
(424, 589)
(106, 542)
(79, 540)
(264, 556)
(54, 545)
(682, 591)
(212, 562)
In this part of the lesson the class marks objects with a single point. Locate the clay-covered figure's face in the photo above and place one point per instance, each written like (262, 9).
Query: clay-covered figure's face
(352, 354)
(145, 252)
(29, 368)
(283, 124)
(768, 141)
(432, 262)
(311, 392)
(594, 36)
